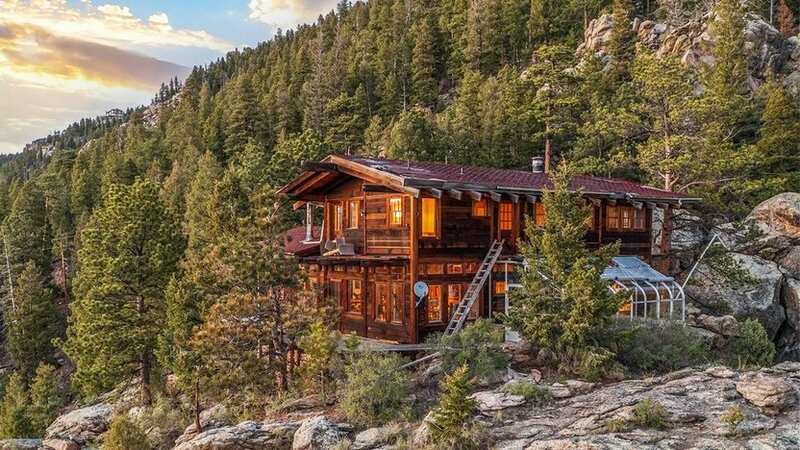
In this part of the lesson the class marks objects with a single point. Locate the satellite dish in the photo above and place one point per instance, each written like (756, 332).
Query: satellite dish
(421, 289)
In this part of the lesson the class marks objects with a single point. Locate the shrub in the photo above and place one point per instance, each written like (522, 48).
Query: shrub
(649, 414)
(732, 417)
(660, 347)
(616, 425)
(532, 393)
(376, 389)
(123, 434)
(455, 410)
(47, 398)
(321, 363)
(478, 345)
(752, 347)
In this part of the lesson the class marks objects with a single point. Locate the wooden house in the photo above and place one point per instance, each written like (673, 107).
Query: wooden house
(388, 224)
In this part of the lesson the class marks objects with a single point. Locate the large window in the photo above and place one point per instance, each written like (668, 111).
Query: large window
(506, 216)
(430, 217)
(499, 287)
(480, 208)
(353, 213)
(538, 214)
(625, 218)
(396, 211)
(381, 301)
(396, 292)
(355, 300)
(435, 303)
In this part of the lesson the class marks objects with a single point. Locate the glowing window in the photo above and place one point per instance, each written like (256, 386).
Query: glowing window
(435, 303)
(338, 218)
(396, 211)
(453, 296)
(353, 213)
(627, 218)
(538, 214)
(506, 216)
(480, 208)
(499, 287)
(434, 269)
(396, 292)
(455, 268)
(429, 217)
(381, 301)
(355, 302)
(612, 217)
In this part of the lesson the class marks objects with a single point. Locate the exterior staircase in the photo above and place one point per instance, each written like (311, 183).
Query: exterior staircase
(462, 310)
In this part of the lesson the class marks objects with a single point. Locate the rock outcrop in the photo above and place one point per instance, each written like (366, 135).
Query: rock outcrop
(318, 433)
(693, 43)
(696, 405)
(245, 435)
(79, 428)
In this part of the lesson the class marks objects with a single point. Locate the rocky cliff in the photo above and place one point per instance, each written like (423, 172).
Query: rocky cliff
(693, 42)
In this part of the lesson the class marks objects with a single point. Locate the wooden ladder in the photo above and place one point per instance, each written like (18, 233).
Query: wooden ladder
(462, 310)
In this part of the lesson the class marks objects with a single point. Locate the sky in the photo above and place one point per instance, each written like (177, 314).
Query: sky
(61, 60)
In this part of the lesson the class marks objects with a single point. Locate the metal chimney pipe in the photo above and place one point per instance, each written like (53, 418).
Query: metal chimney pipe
(537, 164)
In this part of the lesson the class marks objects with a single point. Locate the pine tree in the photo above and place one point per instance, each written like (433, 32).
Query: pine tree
(14, 411)
(247, 334)
(564, 305)
(32, 322)
(423, 65)
(47, 398)
(26, 231)
(621, 47)
(786, 21)
(130, 251)
(455, 408)
(243, 121)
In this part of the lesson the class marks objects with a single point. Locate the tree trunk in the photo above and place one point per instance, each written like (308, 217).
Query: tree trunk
(147, 398)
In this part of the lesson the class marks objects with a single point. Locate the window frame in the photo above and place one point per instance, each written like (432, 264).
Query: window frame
(390, 212)
(505, 223)
(634, 217)
(396, 295)
(350, 210)
(348, 299)
(436, 218)
(379, 285)
(438, 318)
(477, 205)
(338, 218)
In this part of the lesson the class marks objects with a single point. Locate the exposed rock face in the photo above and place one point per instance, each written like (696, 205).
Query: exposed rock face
(80, 427)
(374, 438)
(695, 402)
(20, 444)
(245, 435)
(693, 42)
(760, 299)
(779, 215)
(317, 433)
(495, 401)
(770, 393)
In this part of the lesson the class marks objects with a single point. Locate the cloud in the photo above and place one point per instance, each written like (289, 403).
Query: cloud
(29, 52)
(289, 13)
(108, 24)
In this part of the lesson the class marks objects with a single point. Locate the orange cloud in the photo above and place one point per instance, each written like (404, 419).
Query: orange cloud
(30, 51)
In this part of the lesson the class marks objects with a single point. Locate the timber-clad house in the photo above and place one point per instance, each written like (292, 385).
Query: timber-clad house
(388, 224)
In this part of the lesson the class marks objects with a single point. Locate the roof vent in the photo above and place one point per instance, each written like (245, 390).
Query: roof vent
(537, 164)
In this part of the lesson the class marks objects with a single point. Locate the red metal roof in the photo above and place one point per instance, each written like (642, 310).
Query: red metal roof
(294, 245)
(507, 178)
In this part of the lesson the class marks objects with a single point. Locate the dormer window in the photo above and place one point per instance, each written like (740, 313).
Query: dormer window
(430, 218)
(338, 218)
